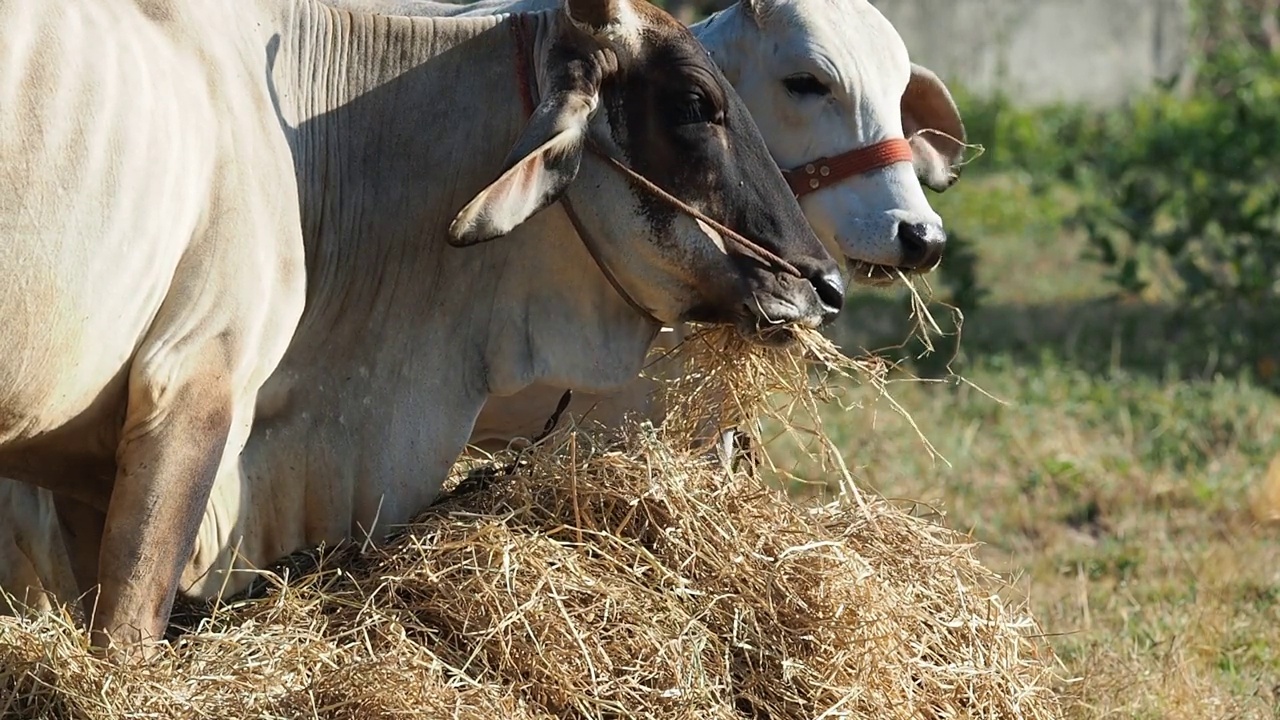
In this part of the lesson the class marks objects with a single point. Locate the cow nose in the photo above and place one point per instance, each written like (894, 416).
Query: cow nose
(922, 245)
(830, 288)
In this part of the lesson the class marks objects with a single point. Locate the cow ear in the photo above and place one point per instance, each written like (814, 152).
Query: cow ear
(932, 124)
(539, 168)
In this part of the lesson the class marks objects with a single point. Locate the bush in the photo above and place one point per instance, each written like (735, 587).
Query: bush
(1181, 188)
(1185, 200)
(1189, 203)
(1046, 142)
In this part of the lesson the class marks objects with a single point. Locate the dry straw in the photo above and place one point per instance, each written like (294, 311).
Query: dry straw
(600, 575)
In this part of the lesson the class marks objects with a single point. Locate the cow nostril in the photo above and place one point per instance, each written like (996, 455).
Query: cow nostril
(830, 288)
(922, 245)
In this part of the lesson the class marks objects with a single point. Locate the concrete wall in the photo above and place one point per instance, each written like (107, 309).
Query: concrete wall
(1038, 51)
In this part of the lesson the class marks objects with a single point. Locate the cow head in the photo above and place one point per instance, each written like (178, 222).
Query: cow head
(824, 79)
(621, 79)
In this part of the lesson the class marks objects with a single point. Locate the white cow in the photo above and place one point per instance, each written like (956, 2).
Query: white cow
(233, 317)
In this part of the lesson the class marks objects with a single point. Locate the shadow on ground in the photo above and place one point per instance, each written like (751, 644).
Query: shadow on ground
(1100, 336)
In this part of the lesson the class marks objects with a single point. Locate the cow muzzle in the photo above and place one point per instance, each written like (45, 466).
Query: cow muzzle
(780, 304)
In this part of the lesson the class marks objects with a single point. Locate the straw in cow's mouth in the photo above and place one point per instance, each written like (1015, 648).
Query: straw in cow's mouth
(866, 273)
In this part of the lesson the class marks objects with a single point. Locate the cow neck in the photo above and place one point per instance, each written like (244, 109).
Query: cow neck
(813, 176)
(528, 88)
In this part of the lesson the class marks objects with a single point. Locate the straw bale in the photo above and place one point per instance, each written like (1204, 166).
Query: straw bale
(598, 574)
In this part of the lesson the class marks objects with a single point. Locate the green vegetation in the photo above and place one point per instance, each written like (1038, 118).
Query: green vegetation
(1119, 302)
(1119, 475)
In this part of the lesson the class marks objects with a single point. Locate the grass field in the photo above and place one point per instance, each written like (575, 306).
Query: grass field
(1119, 478)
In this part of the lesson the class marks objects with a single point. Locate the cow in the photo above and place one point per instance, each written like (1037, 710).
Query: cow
(264, 261)
(857, 125)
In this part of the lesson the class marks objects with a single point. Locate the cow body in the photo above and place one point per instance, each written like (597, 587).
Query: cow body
(759, 45)
(153, 269)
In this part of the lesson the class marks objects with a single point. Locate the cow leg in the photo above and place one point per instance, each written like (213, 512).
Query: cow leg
(171, 447)
(23, 545)
(192, 387)
(224, 325)
(724, 447)
(23, 584)
(81, 527)
(734, 448)
(745, 451)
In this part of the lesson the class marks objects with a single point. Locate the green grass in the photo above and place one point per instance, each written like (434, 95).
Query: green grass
(1120, 479)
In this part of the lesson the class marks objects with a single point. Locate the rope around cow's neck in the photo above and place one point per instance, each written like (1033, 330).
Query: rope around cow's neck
(525, 83)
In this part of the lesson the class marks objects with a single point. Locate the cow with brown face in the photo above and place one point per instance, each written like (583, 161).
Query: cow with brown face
(260, 305)
(678, 122)
(671, 118)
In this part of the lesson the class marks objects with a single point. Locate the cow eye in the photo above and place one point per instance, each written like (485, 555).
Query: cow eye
(694, 108)
(802, 84)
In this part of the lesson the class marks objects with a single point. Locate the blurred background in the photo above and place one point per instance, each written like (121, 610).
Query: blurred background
(1116, 258)
(1115, 253)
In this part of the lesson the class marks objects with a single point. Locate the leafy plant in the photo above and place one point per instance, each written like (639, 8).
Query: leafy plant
(1187, 201)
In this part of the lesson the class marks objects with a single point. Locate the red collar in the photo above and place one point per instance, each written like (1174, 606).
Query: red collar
(829, 170)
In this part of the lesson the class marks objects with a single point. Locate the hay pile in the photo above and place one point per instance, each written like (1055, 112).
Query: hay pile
(595, 576)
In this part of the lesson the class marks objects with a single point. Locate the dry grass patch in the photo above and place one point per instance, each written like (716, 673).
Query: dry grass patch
(599, 575)
(1132, 511)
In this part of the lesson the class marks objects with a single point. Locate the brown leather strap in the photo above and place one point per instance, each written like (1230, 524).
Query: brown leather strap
(555, 417)
(830, 170)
